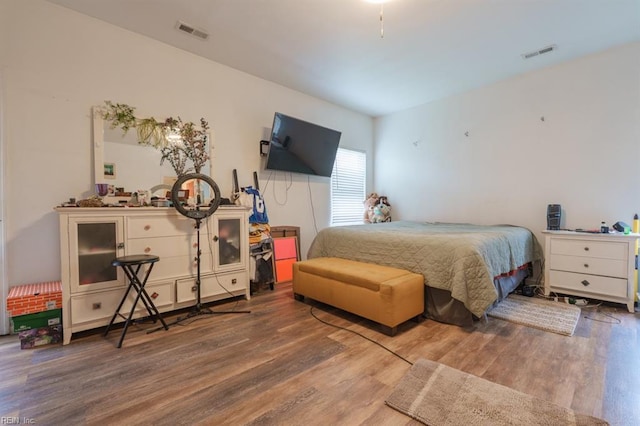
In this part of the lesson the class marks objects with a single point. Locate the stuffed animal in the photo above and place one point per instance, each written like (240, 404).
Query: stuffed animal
(369, 204)
(381, 213)
(378, 215)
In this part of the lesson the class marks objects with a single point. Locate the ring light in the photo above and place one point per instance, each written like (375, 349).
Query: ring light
(176, 193)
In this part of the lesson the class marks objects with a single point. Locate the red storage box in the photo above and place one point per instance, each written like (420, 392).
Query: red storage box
(286, 254)
(31, 298)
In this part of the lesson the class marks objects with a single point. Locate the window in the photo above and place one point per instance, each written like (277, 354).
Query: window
(348, 182)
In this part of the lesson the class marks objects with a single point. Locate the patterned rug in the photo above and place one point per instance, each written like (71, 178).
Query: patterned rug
(546, 315)
(437, 395)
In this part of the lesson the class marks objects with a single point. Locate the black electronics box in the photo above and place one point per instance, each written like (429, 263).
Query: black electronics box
(554, 216)
(619, 226)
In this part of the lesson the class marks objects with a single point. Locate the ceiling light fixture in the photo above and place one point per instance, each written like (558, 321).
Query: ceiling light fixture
(381, 3)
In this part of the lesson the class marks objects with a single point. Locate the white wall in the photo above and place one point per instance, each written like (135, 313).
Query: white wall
(584, 155)
(56, 64)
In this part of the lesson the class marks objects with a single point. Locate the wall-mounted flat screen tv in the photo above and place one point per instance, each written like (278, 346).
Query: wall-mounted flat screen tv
(301, 147)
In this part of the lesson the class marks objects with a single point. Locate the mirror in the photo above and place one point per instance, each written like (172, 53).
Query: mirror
(121, 162)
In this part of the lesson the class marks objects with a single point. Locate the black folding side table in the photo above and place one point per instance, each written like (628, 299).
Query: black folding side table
(131, 266)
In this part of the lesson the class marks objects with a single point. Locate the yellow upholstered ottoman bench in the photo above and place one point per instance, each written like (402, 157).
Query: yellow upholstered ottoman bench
(388, 296)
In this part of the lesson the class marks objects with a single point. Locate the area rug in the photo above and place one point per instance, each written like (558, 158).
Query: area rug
(546, 315)
(437, 395)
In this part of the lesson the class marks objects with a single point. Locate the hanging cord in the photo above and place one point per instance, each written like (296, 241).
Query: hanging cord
(266, 185)
(361, 335)
(313, 210)
(288, 185)
(382, 20)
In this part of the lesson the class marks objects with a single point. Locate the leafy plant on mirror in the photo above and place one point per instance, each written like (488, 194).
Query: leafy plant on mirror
(177, 141)
(151, 132)
(120, 115)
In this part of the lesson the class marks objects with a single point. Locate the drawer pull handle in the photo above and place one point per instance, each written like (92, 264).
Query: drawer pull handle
(215, 238)
(586, 265)
(586, 249)
(147, 227)
(96, 306)
(147, 250)
(585, 283)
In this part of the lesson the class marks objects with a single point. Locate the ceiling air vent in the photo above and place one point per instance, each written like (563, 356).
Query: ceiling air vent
(196, 32)
(542, 51)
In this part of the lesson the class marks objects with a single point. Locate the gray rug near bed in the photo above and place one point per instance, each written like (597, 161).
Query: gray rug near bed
(437, 395)
(546, 315)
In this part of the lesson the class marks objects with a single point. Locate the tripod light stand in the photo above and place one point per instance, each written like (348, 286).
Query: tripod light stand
(198, 215)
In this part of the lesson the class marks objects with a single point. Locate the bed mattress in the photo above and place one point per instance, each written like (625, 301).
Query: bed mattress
(462, 259)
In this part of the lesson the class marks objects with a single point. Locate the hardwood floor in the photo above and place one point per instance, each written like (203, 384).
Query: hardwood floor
(280, 365)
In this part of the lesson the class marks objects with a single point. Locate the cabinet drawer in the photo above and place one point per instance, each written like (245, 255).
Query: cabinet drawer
(597, 285)
(224, 283)
(589, 248)
(212, 285)
(160, 293)
(95, 306)
(161, 226)
(178, 245)
(589, 265)
(180, 266)
(101, 306)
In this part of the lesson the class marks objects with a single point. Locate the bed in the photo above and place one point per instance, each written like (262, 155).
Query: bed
(467, 268)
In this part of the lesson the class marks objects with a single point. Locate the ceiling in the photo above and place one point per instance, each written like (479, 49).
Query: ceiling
(333, 49)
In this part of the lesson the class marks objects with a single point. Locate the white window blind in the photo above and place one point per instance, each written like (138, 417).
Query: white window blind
(348, 182)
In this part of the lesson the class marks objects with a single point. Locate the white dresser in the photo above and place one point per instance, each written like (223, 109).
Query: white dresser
(90, 238)
(596, 266)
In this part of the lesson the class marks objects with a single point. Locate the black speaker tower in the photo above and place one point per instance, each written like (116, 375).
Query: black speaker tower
(554, 216)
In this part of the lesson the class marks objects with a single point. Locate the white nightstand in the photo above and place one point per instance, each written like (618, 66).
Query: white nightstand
(597, 266)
